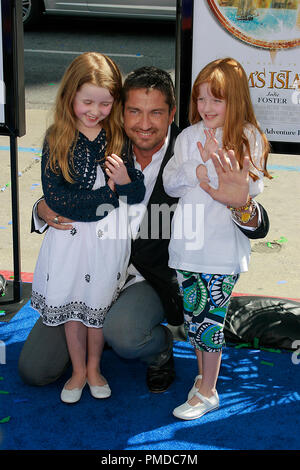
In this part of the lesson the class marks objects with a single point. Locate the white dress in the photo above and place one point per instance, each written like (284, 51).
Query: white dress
(80, 272)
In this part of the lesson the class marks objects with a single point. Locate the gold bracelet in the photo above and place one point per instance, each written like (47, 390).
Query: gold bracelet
(245, 213)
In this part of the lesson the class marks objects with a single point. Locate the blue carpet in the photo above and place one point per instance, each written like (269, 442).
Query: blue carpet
(259, 404)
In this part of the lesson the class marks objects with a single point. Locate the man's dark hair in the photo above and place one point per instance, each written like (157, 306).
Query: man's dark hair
(151, 78)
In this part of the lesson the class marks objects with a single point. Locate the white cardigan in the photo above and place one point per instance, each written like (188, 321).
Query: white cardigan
(204, 237)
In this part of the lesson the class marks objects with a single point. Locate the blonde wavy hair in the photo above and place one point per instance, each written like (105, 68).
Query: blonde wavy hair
(99, 70)
(228, 81)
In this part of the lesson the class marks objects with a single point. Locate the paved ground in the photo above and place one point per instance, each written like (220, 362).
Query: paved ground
(275, 264)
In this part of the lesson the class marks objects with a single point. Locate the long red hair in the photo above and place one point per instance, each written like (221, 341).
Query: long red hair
(228, 81)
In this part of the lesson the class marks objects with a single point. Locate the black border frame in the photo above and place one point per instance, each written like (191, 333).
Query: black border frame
(14, 119)
(184, 58)
(184, 55)
(13, 68)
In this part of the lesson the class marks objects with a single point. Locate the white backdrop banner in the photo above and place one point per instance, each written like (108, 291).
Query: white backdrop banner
(264, 36)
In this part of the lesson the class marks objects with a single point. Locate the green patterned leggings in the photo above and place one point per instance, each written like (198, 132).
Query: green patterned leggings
(205, 302)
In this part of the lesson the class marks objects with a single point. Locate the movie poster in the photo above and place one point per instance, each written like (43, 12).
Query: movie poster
(264, 36)
(2, 85)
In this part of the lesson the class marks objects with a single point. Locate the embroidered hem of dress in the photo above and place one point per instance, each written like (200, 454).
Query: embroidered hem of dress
(73, 311)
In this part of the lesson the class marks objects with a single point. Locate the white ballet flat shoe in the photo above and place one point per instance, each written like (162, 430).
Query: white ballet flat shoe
(71, 396)
(100, 391)
(194, 389)
(188, 412)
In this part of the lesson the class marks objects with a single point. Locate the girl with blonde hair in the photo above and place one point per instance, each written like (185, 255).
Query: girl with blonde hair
(223, 126)
(80, 272)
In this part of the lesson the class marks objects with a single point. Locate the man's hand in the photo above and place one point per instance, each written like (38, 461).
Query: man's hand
(51, 218)
(116, 170)
(233, 187)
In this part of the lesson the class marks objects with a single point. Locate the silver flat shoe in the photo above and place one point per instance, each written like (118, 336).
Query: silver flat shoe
(71, 396)
(188, 412)
(100, 391)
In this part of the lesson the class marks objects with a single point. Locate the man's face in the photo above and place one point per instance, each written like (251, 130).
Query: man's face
(147, 118)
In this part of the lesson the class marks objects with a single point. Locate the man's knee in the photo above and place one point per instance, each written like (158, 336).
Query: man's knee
(129, 325)
(37, 373)
(28, 373)
(124, 340)
(44, 356)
